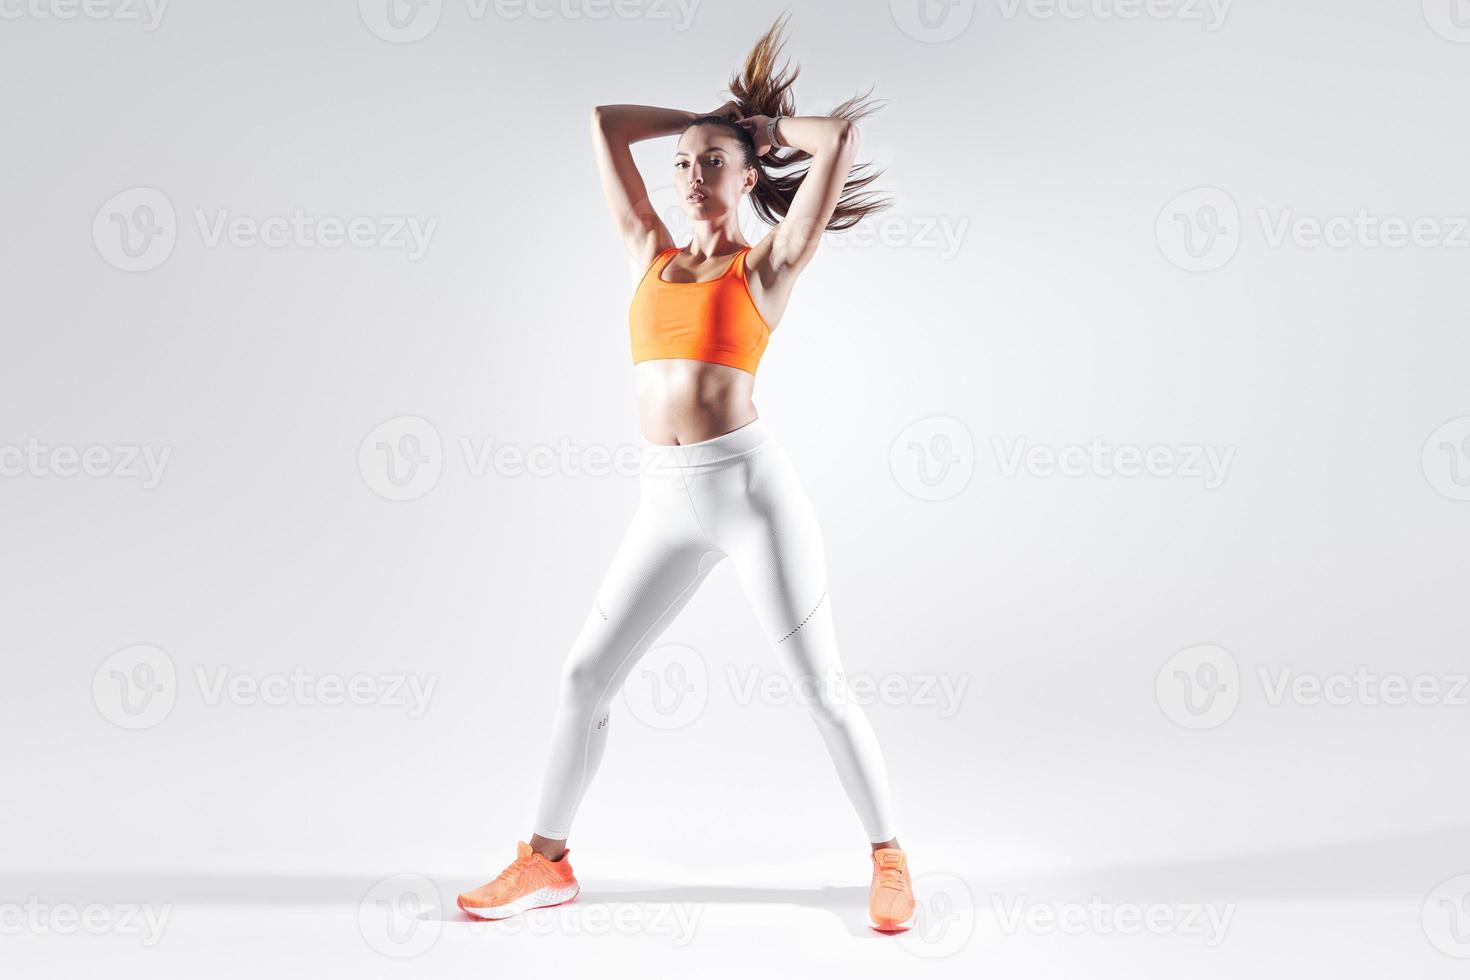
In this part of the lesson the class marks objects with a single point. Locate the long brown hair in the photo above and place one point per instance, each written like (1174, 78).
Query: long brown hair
(760, 90)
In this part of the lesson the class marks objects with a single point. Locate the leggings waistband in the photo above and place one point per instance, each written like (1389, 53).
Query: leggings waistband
(736, 442)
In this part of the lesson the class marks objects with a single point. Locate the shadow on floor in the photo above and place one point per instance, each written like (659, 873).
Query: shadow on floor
(848, 904)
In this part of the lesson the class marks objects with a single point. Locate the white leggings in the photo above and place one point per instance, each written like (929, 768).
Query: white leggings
(737, 495)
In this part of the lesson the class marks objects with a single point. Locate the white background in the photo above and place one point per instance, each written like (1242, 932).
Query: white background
(1033, 283)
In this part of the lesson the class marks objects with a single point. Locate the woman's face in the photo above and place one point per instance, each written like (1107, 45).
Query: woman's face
(708, 174)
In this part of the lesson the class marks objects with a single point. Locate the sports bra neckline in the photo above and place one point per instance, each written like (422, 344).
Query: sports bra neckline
(666, 259)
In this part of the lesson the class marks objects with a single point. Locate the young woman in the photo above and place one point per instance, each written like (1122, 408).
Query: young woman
(714, 483)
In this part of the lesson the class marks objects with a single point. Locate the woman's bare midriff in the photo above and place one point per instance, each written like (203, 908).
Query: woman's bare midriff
(682, 401)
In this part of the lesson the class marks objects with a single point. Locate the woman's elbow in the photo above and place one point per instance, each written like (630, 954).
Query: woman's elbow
(845, 142)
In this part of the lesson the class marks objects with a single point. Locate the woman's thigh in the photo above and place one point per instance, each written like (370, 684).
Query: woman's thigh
(767, 524)
(658, 565)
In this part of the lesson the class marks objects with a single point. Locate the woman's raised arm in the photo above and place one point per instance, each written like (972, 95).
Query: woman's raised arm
(614, 128)
(833, 145)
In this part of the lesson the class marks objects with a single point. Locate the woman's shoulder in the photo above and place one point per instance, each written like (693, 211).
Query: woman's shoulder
(757, 257)
(642, 260)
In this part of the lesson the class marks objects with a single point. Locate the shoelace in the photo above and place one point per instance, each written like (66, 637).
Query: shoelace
(892, 876)
(512, 874)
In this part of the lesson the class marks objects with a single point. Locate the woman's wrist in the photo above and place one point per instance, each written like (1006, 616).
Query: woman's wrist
(678, 120)
(810, 134)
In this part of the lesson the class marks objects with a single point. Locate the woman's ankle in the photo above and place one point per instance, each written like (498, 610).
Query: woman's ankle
(549, 848)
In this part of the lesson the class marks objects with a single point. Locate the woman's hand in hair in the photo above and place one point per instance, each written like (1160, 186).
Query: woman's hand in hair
(756, 126)
(730, 110)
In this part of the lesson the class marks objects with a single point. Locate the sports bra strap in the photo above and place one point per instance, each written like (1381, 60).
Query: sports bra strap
(735, 268)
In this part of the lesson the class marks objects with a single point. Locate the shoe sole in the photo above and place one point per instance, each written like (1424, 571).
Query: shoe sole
(903, 926)
(538, 899)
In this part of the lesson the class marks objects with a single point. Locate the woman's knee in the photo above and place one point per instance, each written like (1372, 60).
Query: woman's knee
(828, 699)
(584, 676)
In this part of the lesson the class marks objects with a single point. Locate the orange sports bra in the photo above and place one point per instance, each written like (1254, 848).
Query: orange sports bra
(715, 320)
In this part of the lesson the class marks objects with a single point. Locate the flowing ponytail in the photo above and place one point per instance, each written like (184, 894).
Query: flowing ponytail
(760, 90)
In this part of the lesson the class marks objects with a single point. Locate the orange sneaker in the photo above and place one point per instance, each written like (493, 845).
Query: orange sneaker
(529, 882)
(891, 897)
